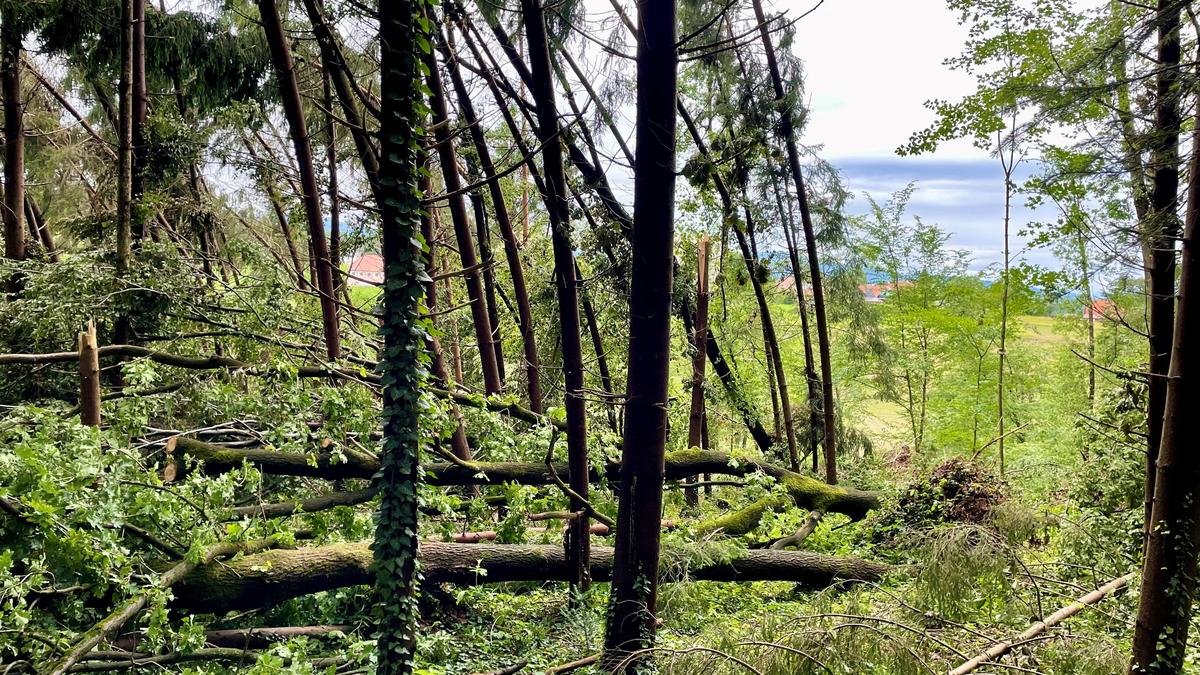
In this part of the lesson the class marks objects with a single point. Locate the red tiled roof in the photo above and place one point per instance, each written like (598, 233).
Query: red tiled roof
(366, 264)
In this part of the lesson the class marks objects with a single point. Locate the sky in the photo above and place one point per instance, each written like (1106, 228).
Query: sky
(870, 65)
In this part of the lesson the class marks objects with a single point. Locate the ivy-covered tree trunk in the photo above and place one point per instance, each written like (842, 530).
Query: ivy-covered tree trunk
(396, 538)
(788, 131)
(14, 141)
(293, 109)
(464, 238)
(634, 599)
(1169, 569)
(555, 197)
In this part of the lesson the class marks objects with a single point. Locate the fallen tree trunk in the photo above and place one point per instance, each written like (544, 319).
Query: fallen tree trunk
(805, 492)
(246, 638)
(274, 576)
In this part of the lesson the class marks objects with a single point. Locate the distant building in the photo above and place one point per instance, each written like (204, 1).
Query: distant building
(1102, 309)
(366, 270)
(872, 293)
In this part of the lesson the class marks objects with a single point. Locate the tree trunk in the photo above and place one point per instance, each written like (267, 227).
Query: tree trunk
(289, 91)
(634, 594)
(486, 262)
(598, 181)
(38, 221)
(1002, 351)
(512, 252)
(125, 145)
(140, 112)
(280, 217)
(719, 366)
(396, 546)
(1091, 321)
(14, 143)
(810, 372)
(448, 159)
(788, 131)
(807, 492)
(1160, 229)
(542, 88)
(772, 345)
(695, 438)
(335, 202)
(1169, 569)
(458, 440)
(269, 578)
(89, 377)
(593, 325)
(337, 70)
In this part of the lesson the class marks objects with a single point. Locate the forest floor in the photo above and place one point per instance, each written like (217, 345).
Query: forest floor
(1009, 556)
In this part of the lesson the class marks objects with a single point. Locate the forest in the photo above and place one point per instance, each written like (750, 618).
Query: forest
(509, 336)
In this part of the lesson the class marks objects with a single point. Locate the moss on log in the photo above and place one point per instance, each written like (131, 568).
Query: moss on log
(273, 576)
(805, 492)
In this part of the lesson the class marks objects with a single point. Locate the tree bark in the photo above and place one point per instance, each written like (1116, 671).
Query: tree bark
(289, 91)
(89, 377)
(335, 202)
(555, 198)
(695, 438)
(512, 252)
(14, 142)
(788, 130)
(810, 372)
(1169, 568)
(1161, 227)
(808, 492)
(595, 179)
(339, 73)
(274, 576)
(486, 263)
(775, 361)
(281, 217)
(140, 111)
(458, 439)
(448, 159)
(634, 594)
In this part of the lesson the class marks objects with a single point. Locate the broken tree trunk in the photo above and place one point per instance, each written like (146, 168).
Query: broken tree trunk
(89, 377)
(274, 576)
(699, 340)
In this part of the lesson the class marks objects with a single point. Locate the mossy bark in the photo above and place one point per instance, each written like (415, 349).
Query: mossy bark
(805, 492)
(274, 576)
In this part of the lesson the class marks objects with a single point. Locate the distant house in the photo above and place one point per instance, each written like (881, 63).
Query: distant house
(872, 293)
(1102, 309)
(366, 270)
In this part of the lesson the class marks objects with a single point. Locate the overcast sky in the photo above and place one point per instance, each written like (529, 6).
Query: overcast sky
(870, 65)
